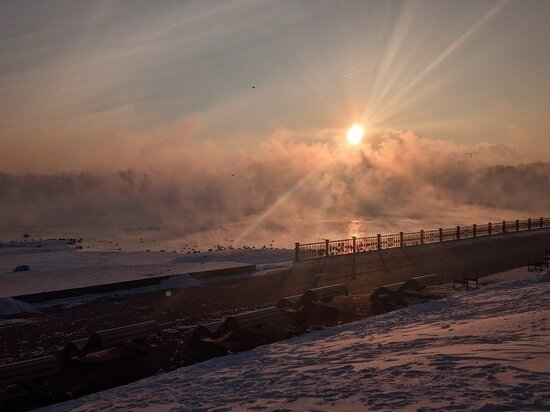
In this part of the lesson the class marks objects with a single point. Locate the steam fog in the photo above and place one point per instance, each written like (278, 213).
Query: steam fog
(291, 188)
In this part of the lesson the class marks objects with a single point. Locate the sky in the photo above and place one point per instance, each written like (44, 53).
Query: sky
(181, 91)
(87, 73)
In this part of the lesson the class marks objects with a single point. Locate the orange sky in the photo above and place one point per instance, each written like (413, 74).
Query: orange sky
(87, 85)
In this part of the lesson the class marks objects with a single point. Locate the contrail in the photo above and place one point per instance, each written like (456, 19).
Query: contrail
(358, 71)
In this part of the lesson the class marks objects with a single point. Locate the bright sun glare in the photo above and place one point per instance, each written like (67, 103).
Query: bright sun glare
(355, 134)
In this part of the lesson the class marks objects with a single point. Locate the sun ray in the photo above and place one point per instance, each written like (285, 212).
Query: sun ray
(443, 55)
(281, 200)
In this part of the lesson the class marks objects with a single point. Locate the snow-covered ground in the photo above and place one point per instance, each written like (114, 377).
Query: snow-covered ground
(479, 350)
(55, 268)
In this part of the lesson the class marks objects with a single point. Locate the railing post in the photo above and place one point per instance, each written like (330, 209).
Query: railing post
(475, 230)
(517, 225)
(297, 252)
(490, 229)
(326, 247)
(458, 233)
(504, 226)
(379, 238)
(422, 236)
(529, 224)
(354, 262)
(541, 222)
(440, 234)
(401, 239)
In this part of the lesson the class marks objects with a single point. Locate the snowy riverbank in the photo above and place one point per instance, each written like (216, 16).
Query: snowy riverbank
(485, 349)
(54, 267)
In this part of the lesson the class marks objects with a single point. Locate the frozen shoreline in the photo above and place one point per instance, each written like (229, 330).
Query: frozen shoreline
(56, 267)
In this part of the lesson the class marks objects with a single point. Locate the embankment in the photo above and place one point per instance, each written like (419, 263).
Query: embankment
(487, 255)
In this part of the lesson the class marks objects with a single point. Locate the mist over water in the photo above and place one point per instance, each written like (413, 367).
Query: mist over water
(269, 235)
(290, 189)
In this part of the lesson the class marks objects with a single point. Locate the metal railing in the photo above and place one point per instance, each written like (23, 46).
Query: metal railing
(327, 248)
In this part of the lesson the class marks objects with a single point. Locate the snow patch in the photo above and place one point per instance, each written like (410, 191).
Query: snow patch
(9, 306)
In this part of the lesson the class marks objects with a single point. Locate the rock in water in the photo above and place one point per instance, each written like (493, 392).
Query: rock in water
(21, 268)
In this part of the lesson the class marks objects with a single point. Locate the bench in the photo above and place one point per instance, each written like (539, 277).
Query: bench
(254, 319)
(388, 297)
(28, 373)
(464, 277)
(294, 301)
(207, 330)
(238, 332)
(391, 289)
(420, 282)
(122, 337)
(322, 294)
(402, 294)
(306, 308)
(241, 321)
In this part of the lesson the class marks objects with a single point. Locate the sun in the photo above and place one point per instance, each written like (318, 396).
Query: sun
(355, 134)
